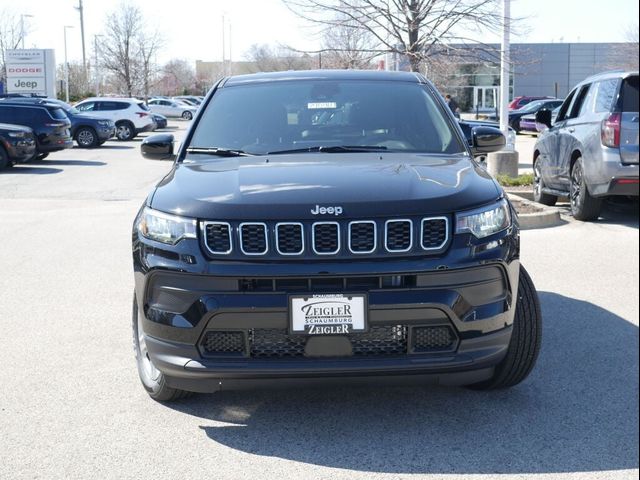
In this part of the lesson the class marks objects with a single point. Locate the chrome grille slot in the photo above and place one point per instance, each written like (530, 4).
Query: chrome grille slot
(435, 232)
(253, 238)
(362, 237)
(289, 238)
(398, 235)
(326, 238)
(218, 237)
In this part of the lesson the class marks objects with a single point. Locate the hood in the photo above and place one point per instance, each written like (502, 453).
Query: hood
(84, 116)
(290, 186)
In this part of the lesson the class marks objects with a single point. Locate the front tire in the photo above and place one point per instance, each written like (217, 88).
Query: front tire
(525, 339)
(153, 380)
(87, 137)
(187, 115)
(125, 131)
(4, 159)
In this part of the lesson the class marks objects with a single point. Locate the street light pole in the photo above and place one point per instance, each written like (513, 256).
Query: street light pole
(504, 65)
(97, 70)
(66, 66)
(22, 17)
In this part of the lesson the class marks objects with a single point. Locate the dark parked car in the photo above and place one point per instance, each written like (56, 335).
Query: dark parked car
(48, 121)
(17, 144)
(161, 120)
(531, 108)
(521, 101)
(328, 224)
(590, 152)
(88, 132)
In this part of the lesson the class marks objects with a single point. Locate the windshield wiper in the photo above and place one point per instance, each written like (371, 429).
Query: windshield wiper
(222, 152)
(333, 149)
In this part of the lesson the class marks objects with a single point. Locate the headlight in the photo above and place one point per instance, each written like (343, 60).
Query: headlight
(165, 228)
(486, 221)
(17, 134)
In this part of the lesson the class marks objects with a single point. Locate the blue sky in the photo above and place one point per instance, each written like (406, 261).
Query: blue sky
(193, 28)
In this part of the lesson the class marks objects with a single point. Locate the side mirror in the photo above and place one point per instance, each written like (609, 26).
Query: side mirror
(543, 117)
(158, 147)
(486, 140)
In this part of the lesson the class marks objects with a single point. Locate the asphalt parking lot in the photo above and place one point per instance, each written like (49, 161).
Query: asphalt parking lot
(72, 407)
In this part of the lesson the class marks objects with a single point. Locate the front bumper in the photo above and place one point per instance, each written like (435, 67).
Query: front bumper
(183, 297)
(105, 133)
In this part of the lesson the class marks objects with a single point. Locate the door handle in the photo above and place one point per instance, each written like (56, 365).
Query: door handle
(571, 130)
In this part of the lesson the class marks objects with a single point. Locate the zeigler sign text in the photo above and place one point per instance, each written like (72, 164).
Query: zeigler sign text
(328, 314)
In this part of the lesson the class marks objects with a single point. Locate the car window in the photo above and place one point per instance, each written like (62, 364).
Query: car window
(605, 96)
(153, 102)
(562, 114)
(142, 106)
(300, 114)
(578, 101)
(58, 113)
(86, 107)
(630, 94)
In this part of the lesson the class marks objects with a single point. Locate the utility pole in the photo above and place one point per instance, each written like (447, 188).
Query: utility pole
(505, 65)
(22, 33)
(84, 57)
(96, 67)
(224, 63)
(66, 66)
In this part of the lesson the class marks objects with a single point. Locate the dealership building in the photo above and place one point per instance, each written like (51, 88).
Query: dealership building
(472, 73)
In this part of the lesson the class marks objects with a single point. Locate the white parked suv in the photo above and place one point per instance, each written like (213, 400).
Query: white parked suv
(130, 115)
(172, 108)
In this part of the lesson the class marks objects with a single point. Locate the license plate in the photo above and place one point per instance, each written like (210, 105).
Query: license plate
(327, 314)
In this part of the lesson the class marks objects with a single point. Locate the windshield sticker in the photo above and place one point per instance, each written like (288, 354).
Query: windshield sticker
(319, 105)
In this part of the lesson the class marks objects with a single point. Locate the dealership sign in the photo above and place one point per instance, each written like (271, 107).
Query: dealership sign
(31, 71)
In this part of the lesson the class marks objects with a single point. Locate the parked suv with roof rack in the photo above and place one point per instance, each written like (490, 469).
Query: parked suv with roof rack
(48, 122)
(329, 224)
(130, 115)
(590, 151)
(17, 144)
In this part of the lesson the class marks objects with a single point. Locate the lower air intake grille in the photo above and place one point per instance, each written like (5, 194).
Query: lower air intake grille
(433, 339)
(223, 343)
(273, 342)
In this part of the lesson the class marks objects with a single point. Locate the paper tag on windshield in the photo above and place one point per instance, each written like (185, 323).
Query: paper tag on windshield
(318, 105)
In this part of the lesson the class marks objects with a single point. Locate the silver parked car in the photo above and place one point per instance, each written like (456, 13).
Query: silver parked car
(590, 151)
(172, 108)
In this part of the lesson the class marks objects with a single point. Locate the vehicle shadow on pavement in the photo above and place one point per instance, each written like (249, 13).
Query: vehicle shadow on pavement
(614, 212)
(71, 163)
(577, 412)
(22, 169)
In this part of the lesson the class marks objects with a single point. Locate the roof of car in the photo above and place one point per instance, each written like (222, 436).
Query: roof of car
(324, 75)
(610, 74)
(110, 99)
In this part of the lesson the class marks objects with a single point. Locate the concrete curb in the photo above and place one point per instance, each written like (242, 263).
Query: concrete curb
(548, 217)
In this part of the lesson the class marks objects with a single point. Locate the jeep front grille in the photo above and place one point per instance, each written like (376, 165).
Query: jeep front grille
(327, 238)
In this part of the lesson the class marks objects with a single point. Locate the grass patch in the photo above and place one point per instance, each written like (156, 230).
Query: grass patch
(520, 181)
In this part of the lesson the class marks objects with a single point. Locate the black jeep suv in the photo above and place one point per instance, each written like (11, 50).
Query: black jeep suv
(328, 224)
(48, 121)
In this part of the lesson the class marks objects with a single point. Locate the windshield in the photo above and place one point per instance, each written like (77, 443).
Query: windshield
(533, 106)
(309, 114)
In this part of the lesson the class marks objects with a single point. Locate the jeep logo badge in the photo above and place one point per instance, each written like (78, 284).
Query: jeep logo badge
(318, 210)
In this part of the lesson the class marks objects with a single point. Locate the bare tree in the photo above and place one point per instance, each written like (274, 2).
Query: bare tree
(78, 84)
(407, 27)
(178, 77)
(274, 59)
(128, 50)
(10, 36)
(347, 45)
